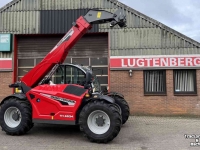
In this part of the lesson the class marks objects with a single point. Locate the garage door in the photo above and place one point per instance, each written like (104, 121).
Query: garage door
(91, 50)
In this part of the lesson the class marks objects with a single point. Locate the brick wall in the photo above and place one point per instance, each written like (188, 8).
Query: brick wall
(5, 80)
(133, 90)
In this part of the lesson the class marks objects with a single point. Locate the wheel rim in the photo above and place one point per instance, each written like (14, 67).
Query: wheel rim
(12, 117)
(98, 122)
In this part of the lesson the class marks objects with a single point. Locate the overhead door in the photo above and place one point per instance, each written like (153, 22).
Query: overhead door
(91, 50)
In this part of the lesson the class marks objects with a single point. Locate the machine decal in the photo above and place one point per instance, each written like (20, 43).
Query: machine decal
(68, 101)
(65, 38)
(66, 116)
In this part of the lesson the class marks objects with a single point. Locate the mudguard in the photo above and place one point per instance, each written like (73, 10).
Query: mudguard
(107, 98)
(20, 96)
(99, 97)
(115, 94)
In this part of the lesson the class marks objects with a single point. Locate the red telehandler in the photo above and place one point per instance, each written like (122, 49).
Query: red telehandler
(98, 116)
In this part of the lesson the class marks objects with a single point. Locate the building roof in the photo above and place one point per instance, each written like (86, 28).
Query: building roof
(143, 35)
(13, 2)
(116, 4)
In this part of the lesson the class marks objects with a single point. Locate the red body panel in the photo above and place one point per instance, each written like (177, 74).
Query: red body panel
(58, 53)
(45, 107)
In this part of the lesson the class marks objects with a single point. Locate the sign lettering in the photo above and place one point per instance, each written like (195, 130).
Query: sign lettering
(120, 62)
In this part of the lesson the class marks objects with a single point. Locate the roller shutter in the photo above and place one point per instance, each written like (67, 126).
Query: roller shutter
(92, 49)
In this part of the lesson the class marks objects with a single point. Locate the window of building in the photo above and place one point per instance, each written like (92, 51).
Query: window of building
(185, 82)
(155, 82)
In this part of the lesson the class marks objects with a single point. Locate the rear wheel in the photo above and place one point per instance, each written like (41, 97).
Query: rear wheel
(124, 108)
(100, 121)
(15, 116)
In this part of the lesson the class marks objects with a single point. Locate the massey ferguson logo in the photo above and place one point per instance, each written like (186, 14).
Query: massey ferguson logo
(70, 102)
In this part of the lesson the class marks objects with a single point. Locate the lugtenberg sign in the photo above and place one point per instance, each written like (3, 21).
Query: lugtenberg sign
(120, 62)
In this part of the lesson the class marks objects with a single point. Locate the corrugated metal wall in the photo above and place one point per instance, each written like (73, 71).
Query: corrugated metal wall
(20, 22)
(143, 36)
(155, 51)
(60, 21)
(21, 5)
(146, 38)
(5, 55)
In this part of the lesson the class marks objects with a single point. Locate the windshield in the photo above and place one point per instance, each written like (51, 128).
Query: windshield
(96, 84)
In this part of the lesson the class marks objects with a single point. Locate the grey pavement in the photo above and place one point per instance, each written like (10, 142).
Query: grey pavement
(139, 133)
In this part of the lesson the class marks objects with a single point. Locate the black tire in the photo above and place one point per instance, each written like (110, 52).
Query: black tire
(25, 123)
(113, 114)
(124, 108)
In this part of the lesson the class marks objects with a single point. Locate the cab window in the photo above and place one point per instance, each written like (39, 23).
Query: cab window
(74, 75)
(58, 76)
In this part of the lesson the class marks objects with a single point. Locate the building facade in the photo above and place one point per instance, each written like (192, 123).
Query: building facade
(155, 67)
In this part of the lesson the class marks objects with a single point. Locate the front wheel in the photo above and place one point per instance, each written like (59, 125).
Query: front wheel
(100, 121)
(15, 116)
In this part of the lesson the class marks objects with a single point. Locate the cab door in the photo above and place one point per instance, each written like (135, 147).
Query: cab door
(58, 76)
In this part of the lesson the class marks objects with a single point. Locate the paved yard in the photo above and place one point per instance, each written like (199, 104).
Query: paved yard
(140, 133)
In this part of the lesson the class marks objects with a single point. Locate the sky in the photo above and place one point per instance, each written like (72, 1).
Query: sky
(181, 15)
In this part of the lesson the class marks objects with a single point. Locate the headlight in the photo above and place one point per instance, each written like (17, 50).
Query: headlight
(17, 90)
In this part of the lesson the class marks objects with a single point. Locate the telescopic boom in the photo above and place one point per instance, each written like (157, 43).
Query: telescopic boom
(58, 54)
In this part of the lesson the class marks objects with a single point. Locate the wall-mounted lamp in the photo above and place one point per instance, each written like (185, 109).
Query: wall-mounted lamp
(130, 73)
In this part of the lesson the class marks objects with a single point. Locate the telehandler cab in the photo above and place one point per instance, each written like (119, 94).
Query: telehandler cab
(98, 116)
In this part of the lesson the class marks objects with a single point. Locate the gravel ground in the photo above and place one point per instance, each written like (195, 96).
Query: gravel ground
(139, 133)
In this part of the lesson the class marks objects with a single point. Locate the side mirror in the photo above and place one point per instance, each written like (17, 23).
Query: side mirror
(88, 80)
